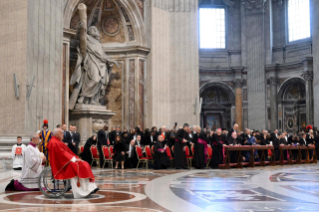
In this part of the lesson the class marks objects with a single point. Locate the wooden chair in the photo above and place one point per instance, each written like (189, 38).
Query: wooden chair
(140, 157)
(149, 153)
(188, 157)
(209, 155)
(107, 156)
(95, 155)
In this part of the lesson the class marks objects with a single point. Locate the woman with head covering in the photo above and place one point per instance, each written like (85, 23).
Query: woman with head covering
(119, 151)
(86, 154)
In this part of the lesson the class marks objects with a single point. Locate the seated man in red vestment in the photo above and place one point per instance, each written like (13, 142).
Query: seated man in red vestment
(66, 165)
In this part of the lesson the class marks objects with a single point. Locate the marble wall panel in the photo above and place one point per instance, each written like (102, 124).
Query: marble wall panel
(131, 90)
(13, 58)
(44, 52)
(114, 94)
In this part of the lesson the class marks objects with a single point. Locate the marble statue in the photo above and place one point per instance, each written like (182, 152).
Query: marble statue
(93, 66)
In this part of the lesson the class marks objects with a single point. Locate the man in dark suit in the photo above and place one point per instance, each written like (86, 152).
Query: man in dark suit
(102, 140)
(152, 138)
(66, 135)
(112, 135)
(131, 157)
(274, 134)
(230, 132)
(75, 140)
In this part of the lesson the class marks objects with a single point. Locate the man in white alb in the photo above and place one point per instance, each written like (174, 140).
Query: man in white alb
(31, 168)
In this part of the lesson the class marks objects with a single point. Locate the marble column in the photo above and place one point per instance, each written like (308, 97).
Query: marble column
(308, 76)
(273, 81)
(239, 102)
(258, 48)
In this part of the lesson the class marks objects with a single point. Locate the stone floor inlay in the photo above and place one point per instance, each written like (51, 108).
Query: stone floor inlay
(280, 188)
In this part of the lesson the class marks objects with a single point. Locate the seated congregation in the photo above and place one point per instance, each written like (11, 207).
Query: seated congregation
(199, 148)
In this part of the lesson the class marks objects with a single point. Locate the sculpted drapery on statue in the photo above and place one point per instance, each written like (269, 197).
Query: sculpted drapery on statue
(93, 67)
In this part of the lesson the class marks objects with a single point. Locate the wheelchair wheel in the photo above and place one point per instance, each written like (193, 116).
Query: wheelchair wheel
(49, 186)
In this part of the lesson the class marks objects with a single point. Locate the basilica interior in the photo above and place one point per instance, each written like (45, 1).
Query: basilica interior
(208, 63)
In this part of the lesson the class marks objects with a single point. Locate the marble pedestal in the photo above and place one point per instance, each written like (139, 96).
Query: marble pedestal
(89, 119)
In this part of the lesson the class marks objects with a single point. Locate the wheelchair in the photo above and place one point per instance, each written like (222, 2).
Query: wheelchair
(51, 187)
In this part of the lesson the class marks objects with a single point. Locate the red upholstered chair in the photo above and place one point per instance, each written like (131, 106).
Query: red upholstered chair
(188, 157)
(140, 157)
(95, 155)
(111, 150)
(149, 153)
(192, 149)
(169, 154)
(81, 149)
(107, 156)
(209, 155)
(152, 149)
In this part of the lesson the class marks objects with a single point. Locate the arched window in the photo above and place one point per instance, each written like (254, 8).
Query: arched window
(298, 20)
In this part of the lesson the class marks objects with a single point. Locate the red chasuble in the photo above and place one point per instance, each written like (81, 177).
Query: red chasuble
(61, 164)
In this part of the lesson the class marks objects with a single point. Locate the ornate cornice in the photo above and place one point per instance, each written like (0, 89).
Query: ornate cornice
(272, 81)
(308, 75)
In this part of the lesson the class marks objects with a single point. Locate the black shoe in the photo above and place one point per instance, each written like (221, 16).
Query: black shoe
(10, 186)
(94, 191)
(185, 168)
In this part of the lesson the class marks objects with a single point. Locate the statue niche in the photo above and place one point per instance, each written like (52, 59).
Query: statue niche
(93, 67)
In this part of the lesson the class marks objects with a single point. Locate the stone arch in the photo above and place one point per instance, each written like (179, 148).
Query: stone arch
(286, 84)
(130, 8)
(221, 85)
(217, 113)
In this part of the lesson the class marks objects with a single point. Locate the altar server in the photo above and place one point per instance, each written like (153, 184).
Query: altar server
(17, 150)
(31, 168)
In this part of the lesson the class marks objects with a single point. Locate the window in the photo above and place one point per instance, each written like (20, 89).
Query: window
(212, 28)
(298, 20)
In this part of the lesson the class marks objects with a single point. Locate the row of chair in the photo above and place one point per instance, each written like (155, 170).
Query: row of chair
(144, 160)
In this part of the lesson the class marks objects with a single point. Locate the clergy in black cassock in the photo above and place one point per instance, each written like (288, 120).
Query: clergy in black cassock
(200, 149)
(161, 160)
(181, 138)
(217, 143)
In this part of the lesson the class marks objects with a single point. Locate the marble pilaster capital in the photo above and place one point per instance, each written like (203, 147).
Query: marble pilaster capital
(238, 83)
(308, 75)
(272, 81)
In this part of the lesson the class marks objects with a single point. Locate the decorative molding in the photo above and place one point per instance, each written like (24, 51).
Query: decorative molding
(273, 81)
(238, 83)
(254, 7)
(308, 75)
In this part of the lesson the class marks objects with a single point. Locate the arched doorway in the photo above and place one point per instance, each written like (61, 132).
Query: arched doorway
(218, 101)
(292, 105)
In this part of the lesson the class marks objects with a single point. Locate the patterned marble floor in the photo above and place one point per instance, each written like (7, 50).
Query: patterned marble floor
(279, 188)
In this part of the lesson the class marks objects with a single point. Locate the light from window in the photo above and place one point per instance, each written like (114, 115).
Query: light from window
(212, 28)
(298, 19)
